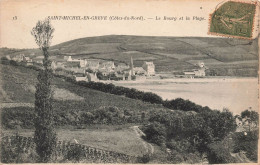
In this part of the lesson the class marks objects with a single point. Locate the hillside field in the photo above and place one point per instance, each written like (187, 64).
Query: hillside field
(120, 139)
(71, 100)
(224, 56)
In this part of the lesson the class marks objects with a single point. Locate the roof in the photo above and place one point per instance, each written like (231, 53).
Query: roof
(60, 60)
(72, 64)
(92, 60)
(189, 72)
(79, 75)
(148, 62)
(38, 57)
(139, 69)
(122, 65)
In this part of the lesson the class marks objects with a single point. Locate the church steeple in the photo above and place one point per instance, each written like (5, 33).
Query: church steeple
(132, 66)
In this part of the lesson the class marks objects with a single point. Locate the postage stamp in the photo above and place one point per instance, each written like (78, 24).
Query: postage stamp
(233, 19)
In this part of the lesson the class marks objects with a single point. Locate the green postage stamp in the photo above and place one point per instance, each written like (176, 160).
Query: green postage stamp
(233, 19)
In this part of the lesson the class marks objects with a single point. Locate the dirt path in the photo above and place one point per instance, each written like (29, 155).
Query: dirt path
(11, 105)
(148, 147)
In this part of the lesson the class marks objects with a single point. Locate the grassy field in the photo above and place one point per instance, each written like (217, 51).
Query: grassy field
(18, 83)
(121, 139)
(168, 53)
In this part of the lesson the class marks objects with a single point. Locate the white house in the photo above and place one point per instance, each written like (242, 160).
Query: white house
(80, 77)
(149, 67)
(92, 64)
(18, 58)
(109, 65)
(8, 57)
(38, 59)
(27, 59)
(197, 72)
(92, 77)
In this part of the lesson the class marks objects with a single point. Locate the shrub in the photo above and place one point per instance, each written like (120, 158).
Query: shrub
(75, 153)
(247, 143)
(175, 157)
(4, 61)
(14, 152)
(181, 146)
(12, 62)
(217, 154)
(12, 118)
(144, 159)
(155, 133)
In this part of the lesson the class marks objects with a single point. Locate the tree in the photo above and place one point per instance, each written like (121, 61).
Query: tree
(44, 136)
(155, 133)
(4, 61)
(252, 117)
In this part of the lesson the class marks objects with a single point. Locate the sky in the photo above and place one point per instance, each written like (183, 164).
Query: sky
(19, 17)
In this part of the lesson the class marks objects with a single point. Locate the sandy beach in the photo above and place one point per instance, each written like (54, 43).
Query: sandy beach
(236, 94)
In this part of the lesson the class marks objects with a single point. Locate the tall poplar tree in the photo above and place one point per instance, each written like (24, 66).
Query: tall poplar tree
(44, 136)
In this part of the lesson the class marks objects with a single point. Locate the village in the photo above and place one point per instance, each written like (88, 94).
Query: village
(85, 69)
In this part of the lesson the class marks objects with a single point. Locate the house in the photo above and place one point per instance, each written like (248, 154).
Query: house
(66, 57)
(73, 67)
(32, 54)
(195, 73)
(92, 77)
(121, 66)
(109, 65)
(60, 64)
(8, 57)
(27, 59)
(72, 64)
(149, 67)
(92, 64)
(18, 58)
(139, 71)
(136, 71)
(38, 59)
(200, 72)
(70, 59)
(29, 63)
(80, 77)
(104, 72)
(120, 76)
(83, 63)
(53, 65)
(189, 74)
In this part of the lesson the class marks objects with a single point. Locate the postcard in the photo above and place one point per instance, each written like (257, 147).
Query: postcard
(129, 82)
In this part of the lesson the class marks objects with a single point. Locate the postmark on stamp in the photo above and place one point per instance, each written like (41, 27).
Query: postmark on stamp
(233, 19)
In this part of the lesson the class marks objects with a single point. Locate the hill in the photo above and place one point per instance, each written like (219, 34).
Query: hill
(223, 56)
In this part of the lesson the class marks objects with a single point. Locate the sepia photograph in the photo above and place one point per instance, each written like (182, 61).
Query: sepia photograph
(129, 82)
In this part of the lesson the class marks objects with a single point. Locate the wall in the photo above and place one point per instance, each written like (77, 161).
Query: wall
(92, 155)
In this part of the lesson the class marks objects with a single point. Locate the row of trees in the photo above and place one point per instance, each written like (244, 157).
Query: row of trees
(205, 132)
(23, 117)
(175, 104)
(189, 133)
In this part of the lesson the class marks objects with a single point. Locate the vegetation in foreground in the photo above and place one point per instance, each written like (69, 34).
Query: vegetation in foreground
(202, 132)
(209, 134)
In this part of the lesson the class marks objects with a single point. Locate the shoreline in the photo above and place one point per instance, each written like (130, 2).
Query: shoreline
(185, 80)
